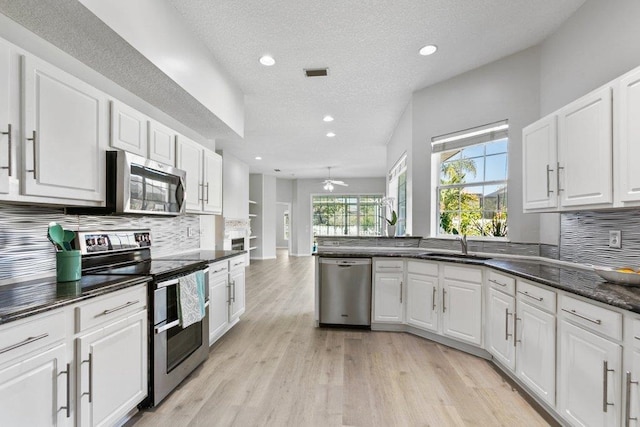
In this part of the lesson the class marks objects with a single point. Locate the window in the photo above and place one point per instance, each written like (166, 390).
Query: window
(286, 225)
(347, 215)
(397, 193)
(402, 204)
(471, 191)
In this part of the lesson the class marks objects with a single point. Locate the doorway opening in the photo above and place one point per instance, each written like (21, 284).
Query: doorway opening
(283, 227)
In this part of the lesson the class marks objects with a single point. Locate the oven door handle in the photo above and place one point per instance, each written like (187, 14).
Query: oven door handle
(161, 329)
(167, 283)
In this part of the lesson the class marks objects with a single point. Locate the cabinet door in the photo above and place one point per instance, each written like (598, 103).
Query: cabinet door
(536, 351)
(236, 307)
(65, 131)
(462, 311)
(189, 158)
(112, 371)
(585, 150)
(162, 143)
(422, 297)
(6, 136)
(627, 113)
(539, 154)
(33, 391)
(587, 394)
(387, 296)
(128, 129)
(500, 325)
(212, 182)
(632, 386)
(218, 306)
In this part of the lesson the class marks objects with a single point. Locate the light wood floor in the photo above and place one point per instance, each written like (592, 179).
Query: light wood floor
(275, 368)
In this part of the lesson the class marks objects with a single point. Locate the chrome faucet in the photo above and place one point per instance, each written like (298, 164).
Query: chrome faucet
(463, 243)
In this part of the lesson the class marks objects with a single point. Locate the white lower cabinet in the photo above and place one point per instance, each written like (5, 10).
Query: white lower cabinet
(387, 298)
(34, 391)
(422, 307)
(112, 370)
(462, 303)
(589, 368)
(631, 379)
(236, 288)
(500, 326)
(218, 300)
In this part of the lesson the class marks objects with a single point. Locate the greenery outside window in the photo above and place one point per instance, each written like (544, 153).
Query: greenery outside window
(471, 194)
(402, 204)
(352, 215)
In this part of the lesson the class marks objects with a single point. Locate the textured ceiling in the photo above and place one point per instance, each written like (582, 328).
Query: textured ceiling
(370, 47)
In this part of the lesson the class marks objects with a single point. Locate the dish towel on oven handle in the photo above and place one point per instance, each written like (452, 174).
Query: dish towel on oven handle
(191, 299)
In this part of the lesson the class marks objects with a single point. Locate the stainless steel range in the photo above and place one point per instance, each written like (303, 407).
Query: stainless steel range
(174, 351)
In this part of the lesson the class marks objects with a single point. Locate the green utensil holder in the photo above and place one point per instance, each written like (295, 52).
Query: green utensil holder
(68, 266)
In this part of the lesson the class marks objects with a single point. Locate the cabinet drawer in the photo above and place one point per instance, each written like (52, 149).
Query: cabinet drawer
(221, 267)
(466, 274)
(501, 282)
(537, 296)
(389, 265)
(22, 337)
(420, 267)
(237, 262)
(110, 306)
(599, 319)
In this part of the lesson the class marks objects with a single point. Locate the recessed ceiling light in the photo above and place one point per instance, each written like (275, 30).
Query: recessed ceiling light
(429, 49)
(328, 119)
(258, 158)
(267, 60)
(331, 134)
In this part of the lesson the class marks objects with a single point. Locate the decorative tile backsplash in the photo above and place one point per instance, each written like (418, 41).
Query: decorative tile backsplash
(25, 251)
(584, 237)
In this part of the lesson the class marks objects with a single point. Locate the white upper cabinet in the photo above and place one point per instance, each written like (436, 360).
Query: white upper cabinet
(128, 129)
(627, 112)
(204, 176)
(212, 192)
(162, 143)
(585, 150)
(66, 127)
(189, 157)
(6, 137)
(539, 146)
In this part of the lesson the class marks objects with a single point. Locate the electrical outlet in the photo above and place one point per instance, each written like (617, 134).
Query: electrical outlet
(189, 231)
(615, 239)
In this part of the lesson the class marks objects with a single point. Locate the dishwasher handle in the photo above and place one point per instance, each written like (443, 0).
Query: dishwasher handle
(345, 262)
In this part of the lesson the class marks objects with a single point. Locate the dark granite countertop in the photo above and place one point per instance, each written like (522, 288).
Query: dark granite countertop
(24, 299)
(207, 256)
(574, 280)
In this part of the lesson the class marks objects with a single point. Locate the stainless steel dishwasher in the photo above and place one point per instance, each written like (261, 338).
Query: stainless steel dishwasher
(345, 291)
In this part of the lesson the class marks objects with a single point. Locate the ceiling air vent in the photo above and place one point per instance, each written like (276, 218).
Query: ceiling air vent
(316, 72)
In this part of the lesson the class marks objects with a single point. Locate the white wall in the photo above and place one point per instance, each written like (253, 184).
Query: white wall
(269, 217)
(305, 188)
(284, 190)
(505, 89)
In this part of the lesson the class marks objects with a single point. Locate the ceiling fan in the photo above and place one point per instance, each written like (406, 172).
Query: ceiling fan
(329, 183)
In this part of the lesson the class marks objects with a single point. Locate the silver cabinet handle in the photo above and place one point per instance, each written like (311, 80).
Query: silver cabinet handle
(636, 337)
(627, 410)
(444, 307)
(34, 138)
(200, 192)
(67, 407)
(558, 169)
(515, 329)
(549, 190)
(400, 292)
(506, 324)
(605, 385)
(25, 342)
(240, 263)
(207, 200)
(8, 133)
(233, 298)
(120, 307)
(525, 293)
(497, 283)
(597, 321)
(382, 267)
(90, 362)
(433, 299)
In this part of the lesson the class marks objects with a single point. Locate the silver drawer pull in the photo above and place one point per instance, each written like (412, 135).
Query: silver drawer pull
(605, 385)
(597, 321)
(120, 307)
(25, 342)
(627, 410)
(382, 267)
(525, 293)
(636, 337)
(67, 407)
(90, 392)
(217, 271)
(240, 263)
(497, 283)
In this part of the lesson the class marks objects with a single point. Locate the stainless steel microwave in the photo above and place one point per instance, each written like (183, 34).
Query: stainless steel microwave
(144, 186)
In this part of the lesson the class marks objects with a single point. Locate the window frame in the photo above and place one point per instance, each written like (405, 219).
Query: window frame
(337, 195)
